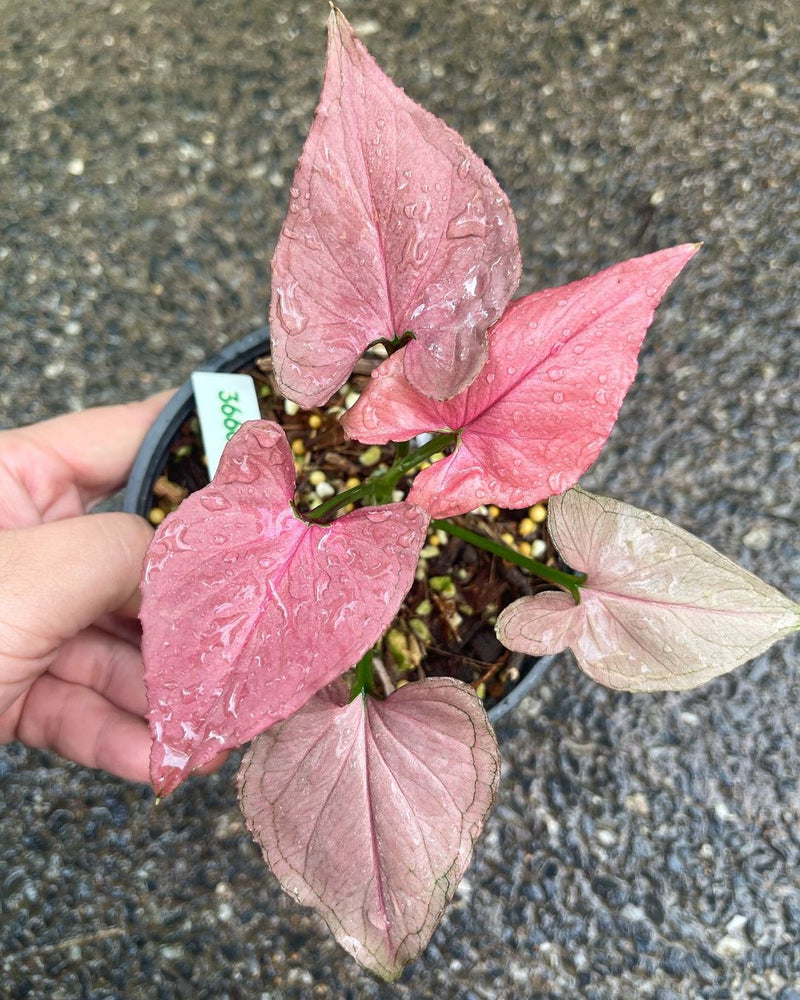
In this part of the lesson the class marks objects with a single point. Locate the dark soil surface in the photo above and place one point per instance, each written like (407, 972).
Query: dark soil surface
(445, 627)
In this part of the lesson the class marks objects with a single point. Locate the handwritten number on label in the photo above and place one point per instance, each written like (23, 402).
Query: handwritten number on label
(230, 422)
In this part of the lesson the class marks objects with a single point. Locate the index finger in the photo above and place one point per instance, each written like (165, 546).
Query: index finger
(97, 446)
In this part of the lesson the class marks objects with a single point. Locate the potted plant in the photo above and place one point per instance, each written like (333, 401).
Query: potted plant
(434, 638)
(268, 618)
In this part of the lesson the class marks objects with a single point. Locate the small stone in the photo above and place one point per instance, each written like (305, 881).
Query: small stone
(420, 630)
(405, 650)
(75, 167)
(730, 946)
(371, 456)
(736, 924)
(759, 88)
(165, 489)
(758, 538)
(538, 548)
(637, 803)
(443, 585)
(366, 26)
(537, 513)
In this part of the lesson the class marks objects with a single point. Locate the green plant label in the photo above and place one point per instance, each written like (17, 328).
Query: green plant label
(224, 402)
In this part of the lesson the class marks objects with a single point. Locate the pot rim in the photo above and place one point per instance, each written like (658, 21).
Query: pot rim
(152, 456)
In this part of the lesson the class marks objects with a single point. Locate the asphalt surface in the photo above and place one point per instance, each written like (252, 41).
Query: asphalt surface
(643, 846)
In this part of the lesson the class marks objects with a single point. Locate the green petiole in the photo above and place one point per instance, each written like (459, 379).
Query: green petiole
(383, 482)
(363, 682)
(570, 582)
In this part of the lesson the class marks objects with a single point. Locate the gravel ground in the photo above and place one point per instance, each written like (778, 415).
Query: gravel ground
(642, 847)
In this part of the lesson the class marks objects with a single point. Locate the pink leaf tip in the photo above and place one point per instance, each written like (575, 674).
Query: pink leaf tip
(394, 225)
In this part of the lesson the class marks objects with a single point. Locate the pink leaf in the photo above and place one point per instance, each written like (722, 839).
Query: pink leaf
(394, 224)
(248, 610)
(661, 610)
(368, 811)
(560, 363)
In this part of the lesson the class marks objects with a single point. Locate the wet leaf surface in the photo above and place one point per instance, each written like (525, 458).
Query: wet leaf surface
(368, 811)
(248, 610)
(538, 414)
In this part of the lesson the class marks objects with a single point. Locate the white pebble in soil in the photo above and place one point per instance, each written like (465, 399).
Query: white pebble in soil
(324, 490)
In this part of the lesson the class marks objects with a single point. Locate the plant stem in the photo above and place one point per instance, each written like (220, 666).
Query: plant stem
(570, 582)
(383, 481)
(363, 682)
(437, 443)
(396, 342)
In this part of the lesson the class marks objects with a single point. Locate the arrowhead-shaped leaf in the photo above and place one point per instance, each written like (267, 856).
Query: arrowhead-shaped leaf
(538, 414)
(394, 224)
(661, 610)
(248, 610)
(368, 811)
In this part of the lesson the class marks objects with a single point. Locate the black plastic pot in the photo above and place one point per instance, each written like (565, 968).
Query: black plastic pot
(155, 448)
(152, 455)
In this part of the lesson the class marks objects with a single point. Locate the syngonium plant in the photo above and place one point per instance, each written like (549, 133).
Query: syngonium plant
(255, 612)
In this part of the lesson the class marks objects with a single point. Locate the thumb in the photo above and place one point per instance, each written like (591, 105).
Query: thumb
(59, 578)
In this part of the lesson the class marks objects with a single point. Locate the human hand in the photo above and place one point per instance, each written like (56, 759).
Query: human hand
(71, 677)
